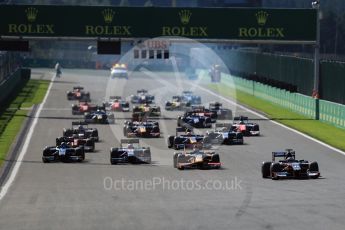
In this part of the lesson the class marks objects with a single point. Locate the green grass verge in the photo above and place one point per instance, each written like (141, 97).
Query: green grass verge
(12, 117)
(322, 131)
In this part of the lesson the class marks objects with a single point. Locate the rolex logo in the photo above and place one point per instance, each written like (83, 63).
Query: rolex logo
(185, 16)
(261, 17)
(108, 15)
(31, 14)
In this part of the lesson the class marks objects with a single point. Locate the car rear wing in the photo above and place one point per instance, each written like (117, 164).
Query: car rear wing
(215, 104)
(115, 97)
(139, 116)
(83, 123)
(284, 154)
(183, 130)
(176, 97)
(143, 91)
(78, 87)
(198, 107)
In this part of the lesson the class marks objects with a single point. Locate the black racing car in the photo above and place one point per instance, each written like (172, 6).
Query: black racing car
(64, 153)
(78, 93)
(80, 127)
(130, 152)
(202, 111)
(196, 120)
(243, 125)
(99, 117)
(223, 135)
(187, 140)
(221, 113)
(289, 167)
(141, 129)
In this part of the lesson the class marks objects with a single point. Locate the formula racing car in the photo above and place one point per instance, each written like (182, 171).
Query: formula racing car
(77, 140)
(80, 127)
(130, 152)
(142, 97)
(243, 125)
(177, 103)
(192, 119)
(221, 113)
(64, 153)
(200, 159)
(190, 97)
(84, 107)
(117, 104)
(141, 129)
(148, 109)
(289, 167)
(78, 93)
(223, 135)
(99, 117)
(188, 140)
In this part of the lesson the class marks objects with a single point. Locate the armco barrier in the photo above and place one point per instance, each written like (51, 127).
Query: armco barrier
(293, 70)
(12, 83)
(329, 112)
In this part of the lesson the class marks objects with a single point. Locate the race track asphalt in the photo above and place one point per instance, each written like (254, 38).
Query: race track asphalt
(97, 195)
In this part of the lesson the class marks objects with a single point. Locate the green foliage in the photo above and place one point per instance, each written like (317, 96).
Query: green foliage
(12, 118)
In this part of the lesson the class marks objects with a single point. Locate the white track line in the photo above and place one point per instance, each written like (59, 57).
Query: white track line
(274, 122)
(18, 162)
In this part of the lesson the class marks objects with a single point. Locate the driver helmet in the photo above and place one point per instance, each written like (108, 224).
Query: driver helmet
(130, 146)
(290, 159)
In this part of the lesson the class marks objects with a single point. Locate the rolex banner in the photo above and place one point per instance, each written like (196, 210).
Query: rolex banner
(297, 25)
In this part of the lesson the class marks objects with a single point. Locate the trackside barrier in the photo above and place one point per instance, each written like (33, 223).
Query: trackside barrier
(330, 112)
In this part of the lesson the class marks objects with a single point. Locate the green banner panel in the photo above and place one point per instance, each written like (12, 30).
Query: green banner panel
(129, 22)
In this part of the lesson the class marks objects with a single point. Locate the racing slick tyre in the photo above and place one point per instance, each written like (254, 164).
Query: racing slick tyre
(45, 160)
(170, 141)
(175, 160)
(266, 169)
(113, 152)
(179, 122)
(215, 158)
(67, 132)
(80, 152)
(276, 167)
(125, 131)
(314, 167)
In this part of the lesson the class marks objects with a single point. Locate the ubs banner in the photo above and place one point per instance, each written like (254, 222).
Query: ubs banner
(142, 22)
